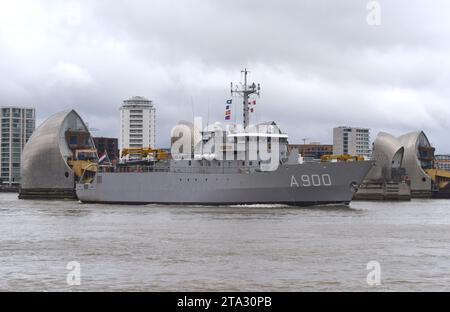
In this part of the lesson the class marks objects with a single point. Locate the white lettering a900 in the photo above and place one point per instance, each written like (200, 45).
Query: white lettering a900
(311, 180)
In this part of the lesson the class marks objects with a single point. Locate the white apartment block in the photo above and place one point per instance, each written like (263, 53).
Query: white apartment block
(17, 126)
(137, 121)
(351, 141)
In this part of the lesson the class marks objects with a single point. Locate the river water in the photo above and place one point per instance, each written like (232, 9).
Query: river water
(229, 248)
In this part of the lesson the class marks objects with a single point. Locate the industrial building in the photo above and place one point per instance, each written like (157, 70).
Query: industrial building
(17, 126)
(400, 168)
(351, 141)
(137, 123)
(55, 157)
(314, 150)
(442, 162)
(110, 145)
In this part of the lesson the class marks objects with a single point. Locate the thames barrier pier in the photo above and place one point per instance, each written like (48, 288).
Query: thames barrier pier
(55, 156)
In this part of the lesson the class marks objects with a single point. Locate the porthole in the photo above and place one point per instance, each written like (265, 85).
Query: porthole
(66, 174)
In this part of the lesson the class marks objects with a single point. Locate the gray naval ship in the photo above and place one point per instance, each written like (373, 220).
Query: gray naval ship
(227, 166)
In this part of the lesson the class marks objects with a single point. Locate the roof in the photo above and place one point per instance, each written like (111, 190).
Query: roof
(137, 100)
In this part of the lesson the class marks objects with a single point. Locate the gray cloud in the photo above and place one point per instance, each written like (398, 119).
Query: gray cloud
(319, 63)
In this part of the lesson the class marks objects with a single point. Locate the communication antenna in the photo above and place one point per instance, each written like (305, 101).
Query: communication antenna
(193, 109)
(245, 91)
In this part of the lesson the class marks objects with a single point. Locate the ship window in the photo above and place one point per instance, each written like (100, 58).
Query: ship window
(206, 179)
(243, 163)
(250, 163)
(188, 180)
(181, 180)
(218, 164)
(195, 180)
(190, 162)
(66, 174)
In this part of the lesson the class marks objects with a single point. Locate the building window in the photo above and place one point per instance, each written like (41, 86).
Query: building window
(73, 140)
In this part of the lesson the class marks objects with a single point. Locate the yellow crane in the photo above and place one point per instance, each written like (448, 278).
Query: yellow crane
(341, 158)
(84, 160)
(441, 178)
(144, 152)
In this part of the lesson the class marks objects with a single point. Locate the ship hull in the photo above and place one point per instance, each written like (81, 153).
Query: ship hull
(300, 184)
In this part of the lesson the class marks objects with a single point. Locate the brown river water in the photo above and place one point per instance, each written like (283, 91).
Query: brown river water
(224, 248)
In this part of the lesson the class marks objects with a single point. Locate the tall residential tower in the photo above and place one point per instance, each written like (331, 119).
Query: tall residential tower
(137, 119)
(17, 125)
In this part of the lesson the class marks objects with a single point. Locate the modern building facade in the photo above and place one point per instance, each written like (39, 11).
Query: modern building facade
(442, 162)
(351, 141)
(137, 119)
(312, 150)
(17, 126)
(110, 145)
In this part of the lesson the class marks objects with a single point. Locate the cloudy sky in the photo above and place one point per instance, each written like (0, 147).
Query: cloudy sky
(320, 63)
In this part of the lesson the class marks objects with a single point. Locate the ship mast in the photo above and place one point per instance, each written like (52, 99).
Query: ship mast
(245, 91)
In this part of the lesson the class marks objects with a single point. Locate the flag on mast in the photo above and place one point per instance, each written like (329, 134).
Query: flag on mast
(104, 158)
(228, 110)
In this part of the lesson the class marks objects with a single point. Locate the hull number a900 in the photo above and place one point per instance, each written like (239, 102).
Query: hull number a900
(306, 180)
